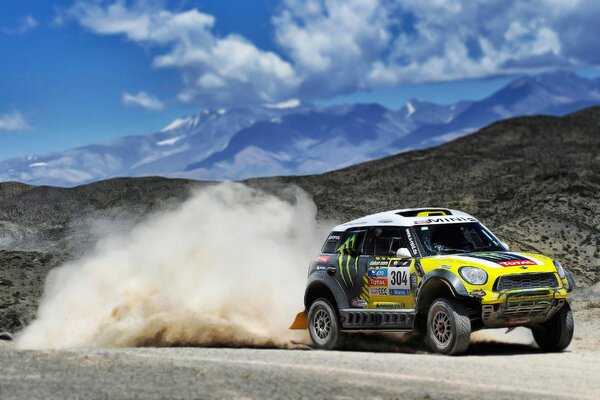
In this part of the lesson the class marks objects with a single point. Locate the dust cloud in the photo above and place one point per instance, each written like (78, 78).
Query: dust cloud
(226, 268)
(518, 335)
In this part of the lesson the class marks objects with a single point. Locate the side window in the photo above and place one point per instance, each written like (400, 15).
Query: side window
(331, 243)
(385, 241)
(352, 239)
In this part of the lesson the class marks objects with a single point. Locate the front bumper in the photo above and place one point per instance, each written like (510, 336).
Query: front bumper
(522, 307)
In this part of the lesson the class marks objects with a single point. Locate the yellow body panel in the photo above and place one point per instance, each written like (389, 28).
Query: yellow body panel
(453, 263)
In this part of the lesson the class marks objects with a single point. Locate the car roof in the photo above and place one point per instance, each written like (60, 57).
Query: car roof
(409, 217)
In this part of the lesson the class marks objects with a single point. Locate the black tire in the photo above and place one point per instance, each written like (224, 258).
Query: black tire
(555, 334)
(448, 327)
(323, 325)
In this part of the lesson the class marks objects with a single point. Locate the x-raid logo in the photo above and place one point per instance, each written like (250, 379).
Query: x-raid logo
(444, 220)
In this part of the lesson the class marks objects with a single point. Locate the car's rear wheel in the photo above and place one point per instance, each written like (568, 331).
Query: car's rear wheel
(448, 327)
(555, 334)
(323, 325)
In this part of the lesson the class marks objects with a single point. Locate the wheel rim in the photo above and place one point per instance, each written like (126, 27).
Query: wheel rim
(322, 324)
(441, 328)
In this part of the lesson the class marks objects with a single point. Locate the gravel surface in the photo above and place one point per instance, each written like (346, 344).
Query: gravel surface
(202, 373)
(498, 365)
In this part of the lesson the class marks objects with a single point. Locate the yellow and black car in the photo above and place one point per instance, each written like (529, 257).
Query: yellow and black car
(437, 273)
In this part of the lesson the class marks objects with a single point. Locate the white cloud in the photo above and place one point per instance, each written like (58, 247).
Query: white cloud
(144, 100)
(331, 47)
(345, 45)
(215, 69)
(13, 122)
(25, 24)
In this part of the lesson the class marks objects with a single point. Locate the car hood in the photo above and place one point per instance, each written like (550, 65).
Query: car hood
(500, 261)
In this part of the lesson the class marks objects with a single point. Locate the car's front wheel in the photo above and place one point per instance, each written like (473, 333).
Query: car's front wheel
(448, 327)
(556, 333)
(323, 325)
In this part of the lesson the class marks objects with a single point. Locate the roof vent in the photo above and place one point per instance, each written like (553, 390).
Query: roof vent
(423, 212)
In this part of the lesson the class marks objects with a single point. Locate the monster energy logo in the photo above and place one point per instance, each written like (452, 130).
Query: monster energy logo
(345, 260)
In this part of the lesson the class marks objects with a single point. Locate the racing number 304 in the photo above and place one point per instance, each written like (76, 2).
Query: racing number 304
(399, 278)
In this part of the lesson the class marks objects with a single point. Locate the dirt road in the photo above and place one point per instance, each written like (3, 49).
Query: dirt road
(489, 370)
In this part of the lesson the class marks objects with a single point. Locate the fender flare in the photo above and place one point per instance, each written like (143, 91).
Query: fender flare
(321, 278)
(451, 280)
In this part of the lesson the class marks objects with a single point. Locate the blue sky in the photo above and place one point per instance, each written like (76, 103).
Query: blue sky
(78, 72)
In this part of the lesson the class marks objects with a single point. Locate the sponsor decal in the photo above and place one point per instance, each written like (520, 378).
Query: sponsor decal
(477, 293)
(398, 292)
(333, 237)
(377, 272)
(356, 302)
(411, 242)
(413, 281)
(378, 291)
(322, 259)
(349, 244)
(399, 278)
(444, 220)
(378, 263)
(384, 304)
(321, 268)
(378, 282)
(515, 263)
(504, 259)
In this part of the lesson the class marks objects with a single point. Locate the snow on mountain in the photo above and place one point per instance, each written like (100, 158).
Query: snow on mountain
(557, 93)
(295, 138)
(292, 103)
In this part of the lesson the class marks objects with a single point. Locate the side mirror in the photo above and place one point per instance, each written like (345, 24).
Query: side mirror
(403, 252)
(505, 245)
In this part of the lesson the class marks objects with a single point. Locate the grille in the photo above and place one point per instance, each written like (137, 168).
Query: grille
(526, 281)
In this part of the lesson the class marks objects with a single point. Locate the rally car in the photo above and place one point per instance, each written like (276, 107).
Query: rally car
(437, 273)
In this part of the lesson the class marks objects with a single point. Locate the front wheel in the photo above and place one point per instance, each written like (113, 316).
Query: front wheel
(555, 334)
(323, 325)
(448, 327)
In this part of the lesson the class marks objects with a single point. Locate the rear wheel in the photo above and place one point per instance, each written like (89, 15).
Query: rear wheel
(556, 333)
(448, 327)
(323, 325)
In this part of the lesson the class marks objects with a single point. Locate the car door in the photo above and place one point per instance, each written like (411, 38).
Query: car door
(388, 281)
(351, 265)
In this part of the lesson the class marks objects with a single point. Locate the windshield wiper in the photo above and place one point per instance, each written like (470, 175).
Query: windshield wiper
(487, 248)
(448, 250)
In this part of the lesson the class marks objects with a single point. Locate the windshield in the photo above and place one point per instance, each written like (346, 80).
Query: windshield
(456, 238)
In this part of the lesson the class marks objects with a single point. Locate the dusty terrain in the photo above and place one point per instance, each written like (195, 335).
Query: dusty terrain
(392, 372)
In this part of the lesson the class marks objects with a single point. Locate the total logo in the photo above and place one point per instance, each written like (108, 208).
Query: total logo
(378, 282)
(516, 263)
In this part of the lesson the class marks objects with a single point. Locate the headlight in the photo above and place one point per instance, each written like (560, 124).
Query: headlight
(559, 269)
(474, 276)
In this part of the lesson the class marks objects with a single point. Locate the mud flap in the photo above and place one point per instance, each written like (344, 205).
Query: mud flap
(300, 322)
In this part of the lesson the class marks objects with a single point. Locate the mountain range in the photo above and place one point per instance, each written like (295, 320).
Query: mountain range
(294, 138)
